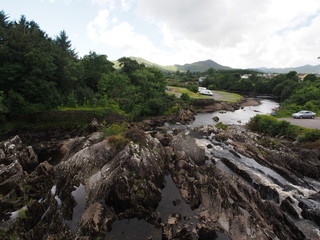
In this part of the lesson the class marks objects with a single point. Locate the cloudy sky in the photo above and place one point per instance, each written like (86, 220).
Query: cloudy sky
(235, 33)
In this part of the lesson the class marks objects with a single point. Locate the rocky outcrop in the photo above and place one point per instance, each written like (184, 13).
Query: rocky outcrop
(225, 184)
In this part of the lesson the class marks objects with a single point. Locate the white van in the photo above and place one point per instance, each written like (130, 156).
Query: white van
(205, 92)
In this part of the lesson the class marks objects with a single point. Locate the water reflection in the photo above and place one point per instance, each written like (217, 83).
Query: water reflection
(240, 116)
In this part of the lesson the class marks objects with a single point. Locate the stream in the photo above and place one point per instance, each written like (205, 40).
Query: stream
(238, 117)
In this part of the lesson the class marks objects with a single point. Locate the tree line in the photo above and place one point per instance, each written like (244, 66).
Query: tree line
(39, 73)
(294, 94)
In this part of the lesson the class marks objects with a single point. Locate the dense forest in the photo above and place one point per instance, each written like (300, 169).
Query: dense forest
(38, 73)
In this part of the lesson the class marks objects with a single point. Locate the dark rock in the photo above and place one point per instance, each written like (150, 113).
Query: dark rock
(310, 210)
(286, 206)
(216, 119)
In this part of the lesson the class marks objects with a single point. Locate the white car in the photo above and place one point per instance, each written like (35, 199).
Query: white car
(205, 92)
(304, 114)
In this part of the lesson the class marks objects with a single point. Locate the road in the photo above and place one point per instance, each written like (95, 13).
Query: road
(307, 123)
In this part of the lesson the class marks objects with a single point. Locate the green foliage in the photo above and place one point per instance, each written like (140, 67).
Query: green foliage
(38, 73)
(171, 110)
(193, 88)
(114, 129)
(212, 87)
(271, 126)
(186, 98)
(23, 213)
(310, 136)
(222, 126)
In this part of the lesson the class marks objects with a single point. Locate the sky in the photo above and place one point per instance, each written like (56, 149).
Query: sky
(234, 33)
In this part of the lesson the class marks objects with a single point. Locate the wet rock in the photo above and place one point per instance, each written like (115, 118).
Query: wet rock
(216, 119)
(310, 210)
(91, 220)
(286, 206)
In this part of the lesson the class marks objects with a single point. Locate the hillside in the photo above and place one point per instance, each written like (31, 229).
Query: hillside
(301, 69)
(200, 66)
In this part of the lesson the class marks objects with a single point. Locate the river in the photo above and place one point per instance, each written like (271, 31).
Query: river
(240, 116)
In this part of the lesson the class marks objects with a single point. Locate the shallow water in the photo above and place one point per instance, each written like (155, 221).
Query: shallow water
(79, 197)
(240, 116)
(133, 229)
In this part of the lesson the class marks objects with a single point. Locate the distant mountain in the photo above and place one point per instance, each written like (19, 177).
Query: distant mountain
(301, 69)
(201, 66)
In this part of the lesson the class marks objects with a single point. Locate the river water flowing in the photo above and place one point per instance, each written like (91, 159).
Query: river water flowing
(240, 116)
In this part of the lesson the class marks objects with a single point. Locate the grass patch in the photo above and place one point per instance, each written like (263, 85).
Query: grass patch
(181, 90)
(227, 96)
(217, 95)
(114, 129)
(222, 126)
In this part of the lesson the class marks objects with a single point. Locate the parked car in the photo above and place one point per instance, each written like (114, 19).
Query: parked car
(205, 92)
(304, 114)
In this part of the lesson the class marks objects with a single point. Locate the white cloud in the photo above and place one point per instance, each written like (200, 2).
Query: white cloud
(97, 26)
(245, 33)
(120, 36)
(104, 3)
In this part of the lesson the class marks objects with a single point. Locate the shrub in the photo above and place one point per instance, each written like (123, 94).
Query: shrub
(171, 110)
(186, 98)
(136, 135)
(118, 142)
(271, 126)
(222, 126)
(114, 129)
(310, 136)
(212, 87)
(193, 88)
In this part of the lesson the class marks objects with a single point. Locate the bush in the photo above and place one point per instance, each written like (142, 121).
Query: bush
(186, 98)
(212, 87)
(271, 126)
(222, 126)
(114, 129)
(310, 136)
(171, 110)
(193, 88)
(136, 135)
(118, 142)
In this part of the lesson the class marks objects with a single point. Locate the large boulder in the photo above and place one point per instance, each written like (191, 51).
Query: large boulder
(14, 150)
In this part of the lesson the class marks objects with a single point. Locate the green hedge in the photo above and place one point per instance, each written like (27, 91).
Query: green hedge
(269, 125)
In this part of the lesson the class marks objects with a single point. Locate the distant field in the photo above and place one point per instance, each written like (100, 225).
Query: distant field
(217, 95)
